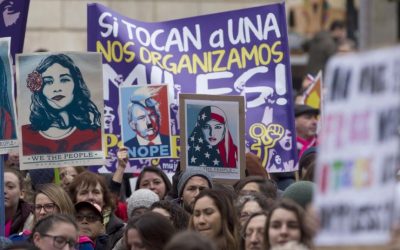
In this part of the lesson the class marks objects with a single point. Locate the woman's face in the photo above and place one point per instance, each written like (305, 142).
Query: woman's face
(92, 194)
(67, 175)
(154, 182)
(133, 240)
(278, 159)
(61, 235)
(284, 227)
(58, 86)
(207, 218)
(12, 190)
(213, 132)
(44, 206)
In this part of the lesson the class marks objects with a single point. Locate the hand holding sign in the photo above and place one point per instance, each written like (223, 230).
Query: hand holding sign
(122, 156)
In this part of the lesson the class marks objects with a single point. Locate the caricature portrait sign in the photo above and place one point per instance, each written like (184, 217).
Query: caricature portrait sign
(145, 121)
(212, 134)
(8, 131)
(60, 109)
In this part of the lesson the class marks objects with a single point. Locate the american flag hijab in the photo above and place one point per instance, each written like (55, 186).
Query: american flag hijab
(203, 154)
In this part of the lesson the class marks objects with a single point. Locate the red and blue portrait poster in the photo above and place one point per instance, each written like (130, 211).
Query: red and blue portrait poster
(145, 123)
(60, 105)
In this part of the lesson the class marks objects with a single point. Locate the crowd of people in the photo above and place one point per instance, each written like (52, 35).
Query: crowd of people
(85, 211)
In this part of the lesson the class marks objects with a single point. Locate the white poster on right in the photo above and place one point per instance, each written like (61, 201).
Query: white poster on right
(359, 148)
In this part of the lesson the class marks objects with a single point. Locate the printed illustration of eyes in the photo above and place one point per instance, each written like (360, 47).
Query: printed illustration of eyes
(65, 78)
(48, 80)
(206, 126)
(218, 126)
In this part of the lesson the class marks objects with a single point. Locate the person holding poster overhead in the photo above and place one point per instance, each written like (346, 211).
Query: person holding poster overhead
(63, 118)
(210, 143)
(6, 121)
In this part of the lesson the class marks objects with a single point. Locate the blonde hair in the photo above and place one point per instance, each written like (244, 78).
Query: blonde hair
(58, 195)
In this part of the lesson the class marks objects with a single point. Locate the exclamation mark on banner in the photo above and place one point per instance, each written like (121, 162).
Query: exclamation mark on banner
(280, 83)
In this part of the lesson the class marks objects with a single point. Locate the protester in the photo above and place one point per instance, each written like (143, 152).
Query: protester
(51, 199)
(18, 213)
(174, 213)
(190, 240)
(257, 184)
(92, 188)
(306, 121)
(140, 202)
(151, 231)
(285, 223)
(254, 166)
(55, 232)
(307, 164)
(253, 232)
(214, 216)
(249, 204)
(154, 179)
(191, 182)
(90, 222)
(67, 175)
(300, 192)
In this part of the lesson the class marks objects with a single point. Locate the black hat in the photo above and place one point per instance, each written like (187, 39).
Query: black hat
(95, 207)
(301, 109)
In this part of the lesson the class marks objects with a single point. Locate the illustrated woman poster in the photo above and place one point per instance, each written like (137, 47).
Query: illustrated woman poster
(8, 131)
(60, 102)
(145, 121)
(213, 134)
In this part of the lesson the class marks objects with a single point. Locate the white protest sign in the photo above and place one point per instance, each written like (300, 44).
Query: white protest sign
(359, 148)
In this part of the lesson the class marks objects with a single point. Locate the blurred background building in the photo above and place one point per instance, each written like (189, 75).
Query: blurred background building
(60, 25)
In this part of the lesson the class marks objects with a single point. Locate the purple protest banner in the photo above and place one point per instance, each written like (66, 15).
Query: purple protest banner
(243, 52)
(13, 23)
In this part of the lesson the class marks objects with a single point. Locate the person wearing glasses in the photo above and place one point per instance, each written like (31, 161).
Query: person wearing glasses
(90, 222)
(93, 188)
(51, 199)
(55, 232)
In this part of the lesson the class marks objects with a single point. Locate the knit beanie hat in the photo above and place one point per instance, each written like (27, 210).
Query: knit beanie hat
(189, 173)
(301, 192)
(141, 198)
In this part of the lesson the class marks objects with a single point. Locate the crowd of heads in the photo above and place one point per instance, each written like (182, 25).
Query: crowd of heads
(193, 213)
(260, 211)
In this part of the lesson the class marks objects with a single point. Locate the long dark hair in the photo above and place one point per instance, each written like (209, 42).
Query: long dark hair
(5, 105)
(157, 171)
(83, 113)
(154, 229)
(229, 235)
